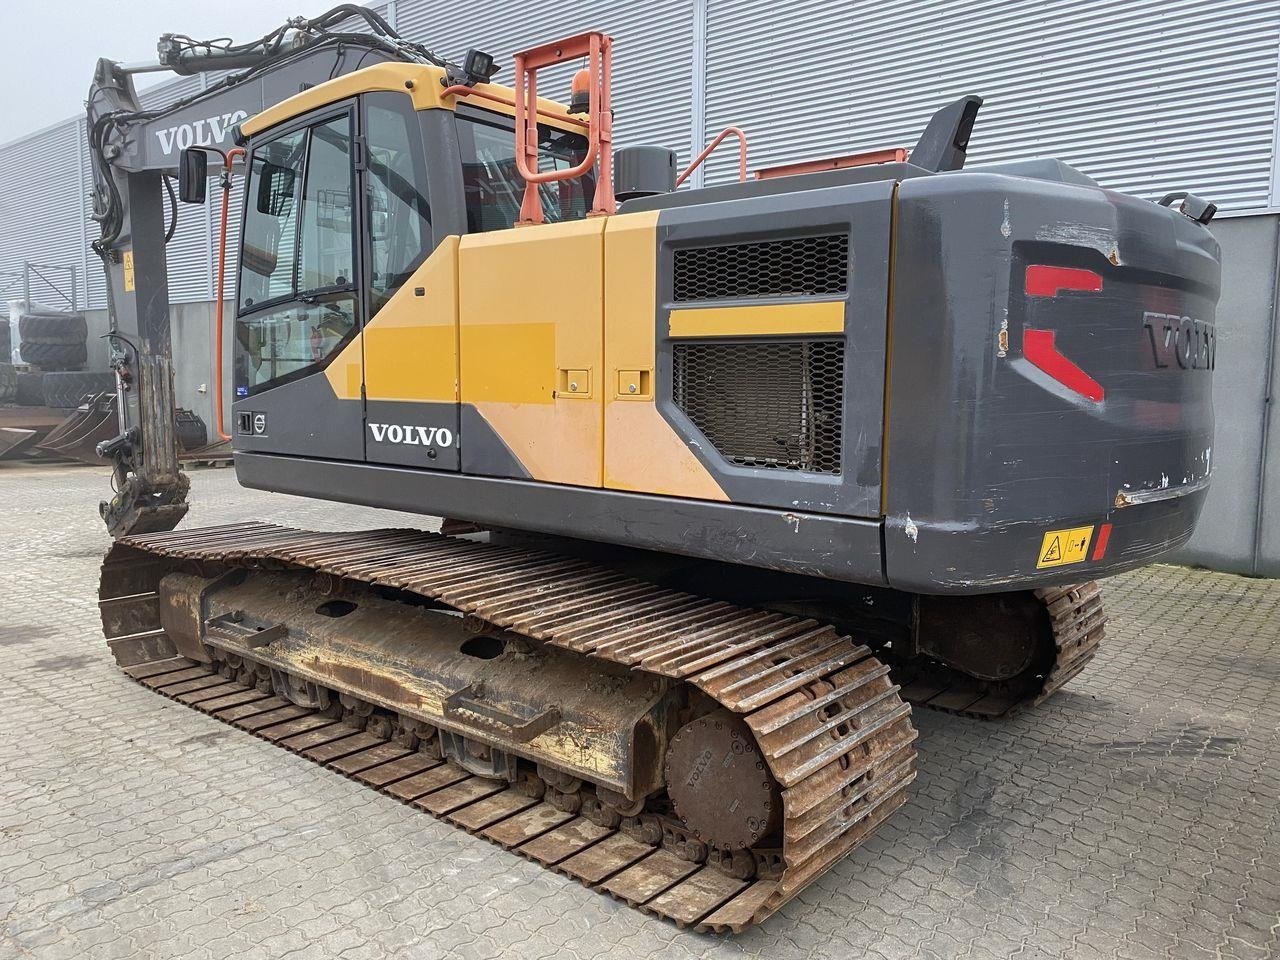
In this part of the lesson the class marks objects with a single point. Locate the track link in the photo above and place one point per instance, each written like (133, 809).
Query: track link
(1078, 622)
(827, 718)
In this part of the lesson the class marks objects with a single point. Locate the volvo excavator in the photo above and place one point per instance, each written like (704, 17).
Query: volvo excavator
(735, 476)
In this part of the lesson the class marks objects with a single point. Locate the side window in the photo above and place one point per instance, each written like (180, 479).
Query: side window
(271, 220)
(278, 345)
(326, 247)
(493, 186)
(396, 193)
(297, 293)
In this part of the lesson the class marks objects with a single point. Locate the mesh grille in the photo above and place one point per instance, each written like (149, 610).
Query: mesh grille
(799, 266)
(776, 405)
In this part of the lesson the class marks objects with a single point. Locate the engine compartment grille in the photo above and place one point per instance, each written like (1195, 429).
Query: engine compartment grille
(775, 404)
(794, 266)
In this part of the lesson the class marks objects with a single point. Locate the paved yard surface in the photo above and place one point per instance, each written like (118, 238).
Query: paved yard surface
(1133, 816)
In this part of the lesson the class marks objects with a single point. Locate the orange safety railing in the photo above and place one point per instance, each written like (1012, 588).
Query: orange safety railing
(868, 158)
(723, 135)
(597, 49)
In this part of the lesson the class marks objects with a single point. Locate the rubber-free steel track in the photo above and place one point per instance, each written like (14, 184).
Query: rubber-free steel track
(826, 716)
(1078, 621)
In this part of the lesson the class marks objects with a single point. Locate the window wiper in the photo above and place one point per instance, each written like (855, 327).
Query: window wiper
(315, 295)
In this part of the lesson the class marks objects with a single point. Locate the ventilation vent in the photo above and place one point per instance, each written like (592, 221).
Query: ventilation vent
(796, 267)
(776, 405)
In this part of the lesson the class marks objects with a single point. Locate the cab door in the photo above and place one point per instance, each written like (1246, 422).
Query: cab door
(410, 343)
(297, 359)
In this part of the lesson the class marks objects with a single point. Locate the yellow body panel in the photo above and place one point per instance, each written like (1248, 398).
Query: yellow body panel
(531, 326)
(419, 82)
(777, 319)
(345, 372)
(411, 347)
(641, 451)
(544, 330)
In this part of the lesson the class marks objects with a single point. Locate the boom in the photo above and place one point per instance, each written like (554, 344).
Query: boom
(134, 154)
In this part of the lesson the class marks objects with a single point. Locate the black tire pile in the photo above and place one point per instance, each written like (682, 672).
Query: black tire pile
(65, 389)
(55, 342)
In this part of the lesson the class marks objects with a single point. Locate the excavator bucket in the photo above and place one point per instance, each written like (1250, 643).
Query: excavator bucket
(15, 442)
(78, 436)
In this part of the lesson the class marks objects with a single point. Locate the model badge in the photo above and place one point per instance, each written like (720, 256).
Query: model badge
(411, 436)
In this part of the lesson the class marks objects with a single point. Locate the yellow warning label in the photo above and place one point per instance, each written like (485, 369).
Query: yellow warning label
(1060, 547)
(128, 271)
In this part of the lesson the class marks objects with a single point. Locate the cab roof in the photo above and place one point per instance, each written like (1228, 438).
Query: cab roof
(424, 85)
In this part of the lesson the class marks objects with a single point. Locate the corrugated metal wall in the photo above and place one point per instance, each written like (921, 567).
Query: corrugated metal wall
(41, 210)
(651, 62)
(1145, 96)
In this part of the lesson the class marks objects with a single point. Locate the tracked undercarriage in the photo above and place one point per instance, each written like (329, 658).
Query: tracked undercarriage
(696, 758)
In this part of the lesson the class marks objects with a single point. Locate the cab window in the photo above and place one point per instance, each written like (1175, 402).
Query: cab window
(493, 186)
(396, 195)
(297, 292)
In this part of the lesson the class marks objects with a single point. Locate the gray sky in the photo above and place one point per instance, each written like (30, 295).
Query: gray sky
(51, 45)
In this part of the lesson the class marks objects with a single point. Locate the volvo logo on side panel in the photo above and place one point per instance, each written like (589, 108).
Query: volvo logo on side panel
(1180, 341)
(202, 132)
(411, 436)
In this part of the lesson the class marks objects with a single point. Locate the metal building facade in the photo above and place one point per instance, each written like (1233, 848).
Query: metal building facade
(1145, 96)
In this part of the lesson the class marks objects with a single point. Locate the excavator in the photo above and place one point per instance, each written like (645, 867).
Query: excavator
(735, 476)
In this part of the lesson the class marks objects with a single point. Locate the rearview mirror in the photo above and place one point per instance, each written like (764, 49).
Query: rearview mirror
(193, 170)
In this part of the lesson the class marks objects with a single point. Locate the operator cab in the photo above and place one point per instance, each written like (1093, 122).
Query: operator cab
(345, 202)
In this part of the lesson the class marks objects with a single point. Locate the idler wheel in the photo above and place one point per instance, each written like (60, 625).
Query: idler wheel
(719, 784)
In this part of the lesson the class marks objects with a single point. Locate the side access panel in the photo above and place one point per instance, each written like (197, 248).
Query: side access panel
(642, 452)
(319, 415)
(531, 340)
(768, 321)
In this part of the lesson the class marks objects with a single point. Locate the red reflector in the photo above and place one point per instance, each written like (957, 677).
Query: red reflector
(1100, 545)
(1038, 347)
(1047, 281)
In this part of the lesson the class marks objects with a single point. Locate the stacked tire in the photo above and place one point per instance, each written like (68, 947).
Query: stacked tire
(8, 383)
(30, 390)
(53, 340)
(65, 389)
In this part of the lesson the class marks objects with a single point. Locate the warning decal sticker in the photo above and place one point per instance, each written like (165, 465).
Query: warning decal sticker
(1061, 547)
(128, 271)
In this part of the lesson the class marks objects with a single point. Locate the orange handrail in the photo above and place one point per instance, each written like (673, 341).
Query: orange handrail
(228, 159)
(742, 154)
(597, 49)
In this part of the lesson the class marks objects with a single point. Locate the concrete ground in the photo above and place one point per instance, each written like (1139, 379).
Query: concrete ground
(1133, 816)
